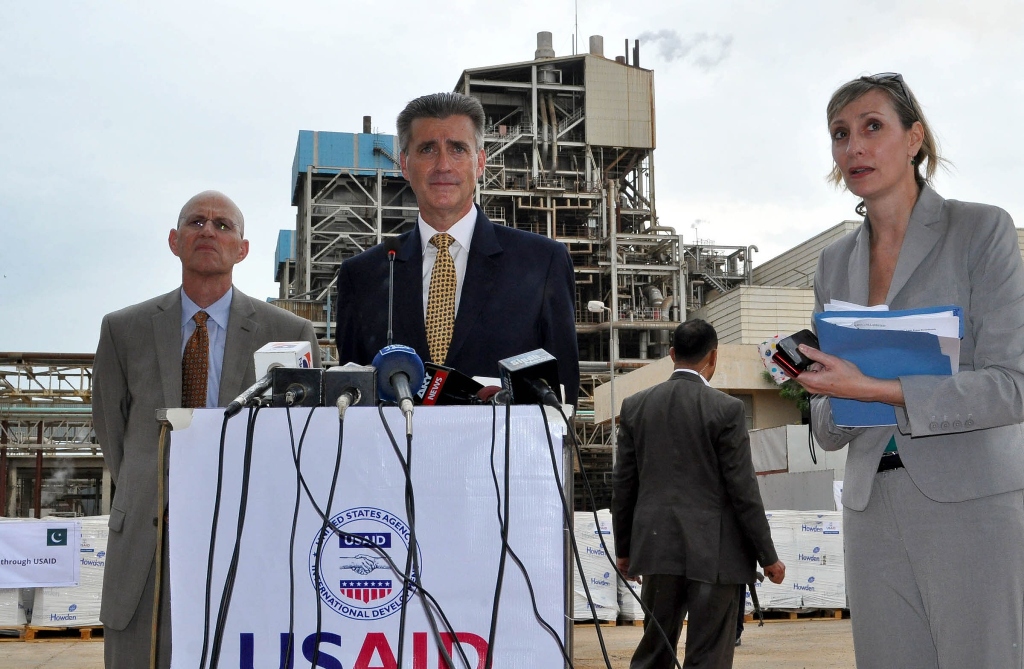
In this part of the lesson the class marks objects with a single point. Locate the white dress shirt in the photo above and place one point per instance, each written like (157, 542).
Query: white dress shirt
(462, 232)
(217, 328)
(692, 371)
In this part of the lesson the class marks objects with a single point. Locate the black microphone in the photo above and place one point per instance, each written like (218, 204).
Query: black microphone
(398, 369)
(530, 377)
(350, 385)
(391, 245)
(249, 394)
(447, 385)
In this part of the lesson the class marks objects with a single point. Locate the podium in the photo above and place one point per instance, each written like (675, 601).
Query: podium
(357, 595)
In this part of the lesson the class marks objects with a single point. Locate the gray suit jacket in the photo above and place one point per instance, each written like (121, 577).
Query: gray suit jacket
(137, 371)
(685, 499)
(960, 437)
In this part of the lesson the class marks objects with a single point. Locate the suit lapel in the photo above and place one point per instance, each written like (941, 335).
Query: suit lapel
(481, 271)
(408, 313)
(238, 346)
(922, 235)
(166, 325)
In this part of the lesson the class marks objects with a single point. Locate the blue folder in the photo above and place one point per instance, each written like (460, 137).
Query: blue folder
(883, 354)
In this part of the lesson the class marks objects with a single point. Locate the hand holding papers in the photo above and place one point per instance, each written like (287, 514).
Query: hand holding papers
(886, 345)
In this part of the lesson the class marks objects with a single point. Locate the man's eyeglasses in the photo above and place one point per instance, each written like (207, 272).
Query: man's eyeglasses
(221, 225)
(892, 76)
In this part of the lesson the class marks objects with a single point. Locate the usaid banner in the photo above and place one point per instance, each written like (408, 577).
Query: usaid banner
(351, 579)
(39, 553)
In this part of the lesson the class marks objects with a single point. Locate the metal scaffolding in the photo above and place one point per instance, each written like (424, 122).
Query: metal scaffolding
(569, 144)
(49, 459)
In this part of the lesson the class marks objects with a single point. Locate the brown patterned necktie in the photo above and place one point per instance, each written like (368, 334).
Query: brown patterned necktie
(441, 299)
(195, 364)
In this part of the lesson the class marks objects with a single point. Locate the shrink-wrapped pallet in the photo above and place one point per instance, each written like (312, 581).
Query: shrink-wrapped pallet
(13, 602)
(597, 568)
(811, 545)
(77, 606)
(629, 607)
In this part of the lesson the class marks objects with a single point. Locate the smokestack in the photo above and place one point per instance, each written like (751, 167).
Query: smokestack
(636, 53)
(544, 48)
(626, 57)
(597, 45)
(366, 125)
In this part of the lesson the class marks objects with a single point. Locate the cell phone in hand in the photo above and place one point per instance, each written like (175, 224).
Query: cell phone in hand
(789, 357)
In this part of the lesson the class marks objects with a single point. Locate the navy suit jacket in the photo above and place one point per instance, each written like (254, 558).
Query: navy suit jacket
(518, 295)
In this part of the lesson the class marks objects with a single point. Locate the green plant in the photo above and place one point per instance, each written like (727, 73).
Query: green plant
(794, 392)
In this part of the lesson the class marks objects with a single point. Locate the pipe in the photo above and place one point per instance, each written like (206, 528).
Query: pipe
(45, 411)
(553, 119)
(588, 328)
(543, 124)
(38, 492)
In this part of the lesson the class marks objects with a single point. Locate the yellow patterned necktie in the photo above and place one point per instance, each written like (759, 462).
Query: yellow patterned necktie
(195, 365)
(441, 299)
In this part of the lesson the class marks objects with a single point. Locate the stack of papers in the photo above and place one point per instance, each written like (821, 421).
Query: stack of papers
(886, 345)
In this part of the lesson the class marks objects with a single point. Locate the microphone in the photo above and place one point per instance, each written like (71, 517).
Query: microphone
(295, 356)
(447, 385)
(350, 385)
(249, 394)
(391, 245)
(530, 377)
(398, 369)
(496, 393)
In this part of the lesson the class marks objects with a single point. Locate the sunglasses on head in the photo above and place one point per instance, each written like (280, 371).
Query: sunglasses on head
(882, 77)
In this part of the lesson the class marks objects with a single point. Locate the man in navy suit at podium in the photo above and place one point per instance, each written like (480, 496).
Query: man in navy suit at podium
(467, 292)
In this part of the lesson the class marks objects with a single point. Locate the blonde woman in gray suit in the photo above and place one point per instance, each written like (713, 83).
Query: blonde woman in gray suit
(933, 506)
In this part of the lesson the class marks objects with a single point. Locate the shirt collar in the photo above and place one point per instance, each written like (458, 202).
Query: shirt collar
(218, 311)
(692, 371)
(462, 231)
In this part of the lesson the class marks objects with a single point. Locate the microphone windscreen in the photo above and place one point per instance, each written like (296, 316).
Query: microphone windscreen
(392, 360)
(391, 245)
(488, 392)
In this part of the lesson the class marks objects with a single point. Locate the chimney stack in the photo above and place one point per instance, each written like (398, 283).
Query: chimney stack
(544, 48)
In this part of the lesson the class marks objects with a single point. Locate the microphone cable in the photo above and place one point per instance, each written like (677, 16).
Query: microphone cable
(229, 580)
(507, 548)
(213, 542)
(572, 535)
(320, 543)
(375, 549)
(412, 567)
(503, 521)
(296, 459)
(607, 553)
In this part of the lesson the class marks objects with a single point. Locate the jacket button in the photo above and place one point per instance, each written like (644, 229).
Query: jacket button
(957, 424)
(969, 422)
(945, 425)
(933, 426)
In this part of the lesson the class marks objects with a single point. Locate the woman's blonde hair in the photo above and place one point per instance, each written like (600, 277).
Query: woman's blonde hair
(906, 107)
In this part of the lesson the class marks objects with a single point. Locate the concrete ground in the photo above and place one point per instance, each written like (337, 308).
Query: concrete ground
(800, 644)
(796, 644)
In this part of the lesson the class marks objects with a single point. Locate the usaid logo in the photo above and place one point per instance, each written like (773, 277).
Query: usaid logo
(355, 578)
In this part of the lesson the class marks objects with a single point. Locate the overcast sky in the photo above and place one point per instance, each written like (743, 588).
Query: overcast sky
(113, 114)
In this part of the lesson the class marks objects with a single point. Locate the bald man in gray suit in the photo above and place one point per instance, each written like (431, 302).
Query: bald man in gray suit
(138, 369)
